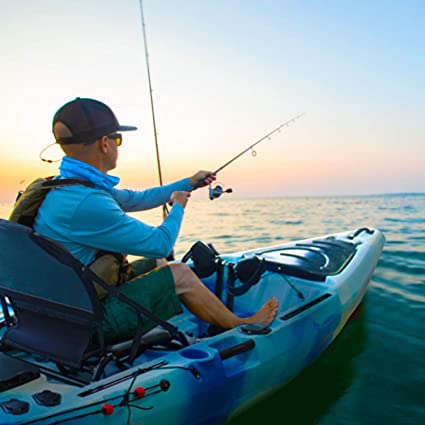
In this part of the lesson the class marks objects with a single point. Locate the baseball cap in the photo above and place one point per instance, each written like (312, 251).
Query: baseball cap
(85, 121)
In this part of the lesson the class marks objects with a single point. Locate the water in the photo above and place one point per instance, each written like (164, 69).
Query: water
(375, 371)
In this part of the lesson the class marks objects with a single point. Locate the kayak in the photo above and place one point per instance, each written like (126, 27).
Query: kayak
(206, 375)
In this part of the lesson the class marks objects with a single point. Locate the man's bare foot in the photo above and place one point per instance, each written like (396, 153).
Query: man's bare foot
(265, 315)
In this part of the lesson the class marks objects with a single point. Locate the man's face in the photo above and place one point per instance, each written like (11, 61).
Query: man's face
(113, 140)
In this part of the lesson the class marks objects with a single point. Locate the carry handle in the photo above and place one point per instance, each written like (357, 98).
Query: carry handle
(234, 350)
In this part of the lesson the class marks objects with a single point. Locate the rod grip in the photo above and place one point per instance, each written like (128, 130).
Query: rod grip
(198, 185)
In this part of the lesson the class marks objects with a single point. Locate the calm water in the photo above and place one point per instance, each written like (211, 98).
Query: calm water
(374, 373)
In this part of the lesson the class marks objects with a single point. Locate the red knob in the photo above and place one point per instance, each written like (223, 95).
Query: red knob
(107, 409)
(139, 392)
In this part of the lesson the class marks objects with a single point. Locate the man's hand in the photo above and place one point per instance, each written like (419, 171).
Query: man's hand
(180, 197)
(202, 178)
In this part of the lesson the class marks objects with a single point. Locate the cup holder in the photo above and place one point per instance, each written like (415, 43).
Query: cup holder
(194, 354)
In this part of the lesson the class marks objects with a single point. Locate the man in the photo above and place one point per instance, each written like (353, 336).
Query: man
(90, 220)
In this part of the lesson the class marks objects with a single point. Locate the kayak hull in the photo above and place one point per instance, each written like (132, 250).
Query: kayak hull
(218, 375)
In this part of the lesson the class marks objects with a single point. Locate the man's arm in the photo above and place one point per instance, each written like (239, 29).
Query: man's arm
(130, 200)
(99, 222)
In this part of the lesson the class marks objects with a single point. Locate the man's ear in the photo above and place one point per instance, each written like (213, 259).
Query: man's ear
(103, 145)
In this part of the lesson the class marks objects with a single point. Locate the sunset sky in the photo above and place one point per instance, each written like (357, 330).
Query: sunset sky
(225, 73)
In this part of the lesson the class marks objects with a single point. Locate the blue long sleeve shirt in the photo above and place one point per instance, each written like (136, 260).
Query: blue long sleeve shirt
(86, 220)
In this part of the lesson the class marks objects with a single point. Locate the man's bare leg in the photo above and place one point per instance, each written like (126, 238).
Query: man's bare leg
(207, 307)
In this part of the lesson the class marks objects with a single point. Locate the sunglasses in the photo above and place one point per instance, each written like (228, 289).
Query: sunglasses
(117, 138)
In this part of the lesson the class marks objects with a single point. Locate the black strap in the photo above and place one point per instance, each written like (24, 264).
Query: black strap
(117, 293)
(49, 184)
(89, 274)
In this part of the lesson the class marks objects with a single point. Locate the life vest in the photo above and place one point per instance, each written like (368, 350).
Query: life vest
(112, 267)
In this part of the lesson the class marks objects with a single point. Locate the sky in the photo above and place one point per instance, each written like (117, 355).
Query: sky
(225, 73)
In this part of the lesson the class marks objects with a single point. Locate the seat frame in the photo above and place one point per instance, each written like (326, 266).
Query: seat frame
(26, 317)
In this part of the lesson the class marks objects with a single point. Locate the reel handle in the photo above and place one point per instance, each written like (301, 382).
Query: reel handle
(216, 191)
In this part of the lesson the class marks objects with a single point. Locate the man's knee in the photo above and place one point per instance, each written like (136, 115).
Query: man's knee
(161, 262)
(184, 278)
(180, 271)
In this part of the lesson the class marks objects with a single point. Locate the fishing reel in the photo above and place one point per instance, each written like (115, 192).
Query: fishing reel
(217, 190)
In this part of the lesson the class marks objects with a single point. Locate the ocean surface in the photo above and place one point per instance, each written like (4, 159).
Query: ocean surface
(374, 372)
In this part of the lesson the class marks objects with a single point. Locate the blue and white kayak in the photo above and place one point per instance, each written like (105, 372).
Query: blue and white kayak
(318, 282)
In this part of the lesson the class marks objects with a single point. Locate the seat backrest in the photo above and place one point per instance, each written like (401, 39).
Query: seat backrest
(57, 311)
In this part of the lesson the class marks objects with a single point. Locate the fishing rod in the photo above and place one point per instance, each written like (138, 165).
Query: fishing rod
(267, 136)
(217, 191)
(158, 162)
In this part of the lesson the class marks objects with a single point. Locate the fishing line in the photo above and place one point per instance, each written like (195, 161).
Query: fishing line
(50, 161)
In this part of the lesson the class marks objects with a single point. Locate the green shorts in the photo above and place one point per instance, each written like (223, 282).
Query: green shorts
(153, 289)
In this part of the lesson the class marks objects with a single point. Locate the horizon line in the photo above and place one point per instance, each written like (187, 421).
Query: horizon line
(4, 202)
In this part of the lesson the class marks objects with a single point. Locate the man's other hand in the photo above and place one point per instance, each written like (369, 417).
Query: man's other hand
(181, 197)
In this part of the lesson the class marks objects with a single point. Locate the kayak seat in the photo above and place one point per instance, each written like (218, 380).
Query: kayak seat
(51, 307)
(313, 260)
